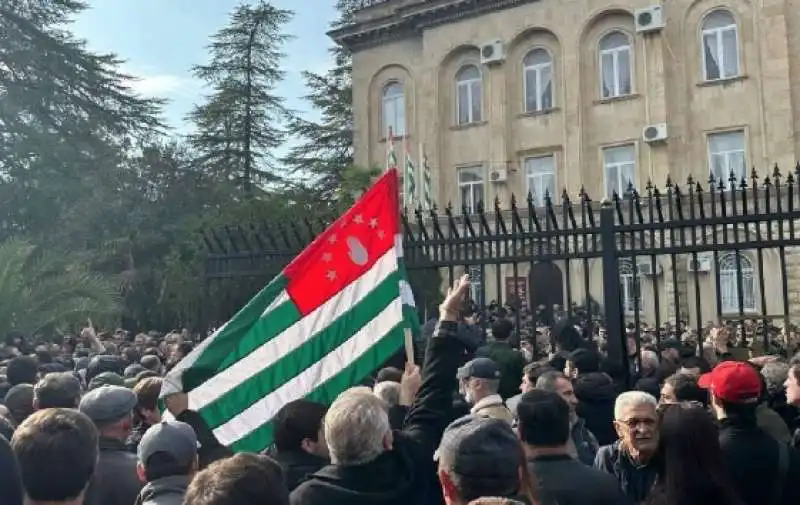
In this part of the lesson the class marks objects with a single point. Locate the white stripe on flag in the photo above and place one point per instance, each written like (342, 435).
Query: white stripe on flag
(172, 381)
(313, 377)
(294, 336)
(279, 300)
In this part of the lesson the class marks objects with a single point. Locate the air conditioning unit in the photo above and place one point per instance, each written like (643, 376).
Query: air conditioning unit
(493, 52)
(499, 175)
(655, 133)
(701, 264)
(646, 268)
(649, 20)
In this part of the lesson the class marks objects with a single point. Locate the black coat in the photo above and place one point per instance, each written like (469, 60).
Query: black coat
(115, 481)
(596, 394)
(558, 475)
(298, 465)
(10, 484)
(635, 481)
(405, 475)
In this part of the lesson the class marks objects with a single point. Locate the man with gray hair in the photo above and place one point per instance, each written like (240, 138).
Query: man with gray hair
(388, 391)
(372, 464)
(630, 459)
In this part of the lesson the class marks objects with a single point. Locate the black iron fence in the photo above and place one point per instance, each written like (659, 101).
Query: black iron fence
(666, 260)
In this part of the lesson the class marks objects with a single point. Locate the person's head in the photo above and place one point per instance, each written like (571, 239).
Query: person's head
(775, 375)
(298, 426)
(793, 382)
(581, 361)
(19, 401)
(501, 329)
(630, 344)
(671, 351)
(152, 363)
(649, 362)
(147, 392)
(57, 390)
(243, 479)
(389, 373)
(531, 373)
(695, 365)
(104, 363)
(357, 428)
(477, 457)
(735, 388)
(543, 420)
(131, 371)
(167, 449)
(111, 409)
(105, 379)
(681, 387)
(557, 382)
(388, 391)
(57, 453)
(635, 424)
(22, 370)
(478, 379)
(690, 461)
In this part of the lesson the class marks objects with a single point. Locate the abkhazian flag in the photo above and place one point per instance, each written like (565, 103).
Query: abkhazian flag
(426, 180)
(409, 179)
(391, 156)
(329, 320)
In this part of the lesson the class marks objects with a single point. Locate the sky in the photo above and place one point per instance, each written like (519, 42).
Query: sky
(160, 40)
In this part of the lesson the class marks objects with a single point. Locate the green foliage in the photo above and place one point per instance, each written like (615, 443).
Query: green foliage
(42, 291)
(239, 125)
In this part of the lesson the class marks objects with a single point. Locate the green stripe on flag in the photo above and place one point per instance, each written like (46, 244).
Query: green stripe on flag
(266, 381)
(375, 356)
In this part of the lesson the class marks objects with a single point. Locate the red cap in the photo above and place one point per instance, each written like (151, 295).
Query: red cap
(733, 381)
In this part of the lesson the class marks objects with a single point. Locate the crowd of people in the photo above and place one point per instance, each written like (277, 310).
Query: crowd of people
(491, 413)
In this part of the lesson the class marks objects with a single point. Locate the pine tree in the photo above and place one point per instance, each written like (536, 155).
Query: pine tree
(238, 128)
(324, 157)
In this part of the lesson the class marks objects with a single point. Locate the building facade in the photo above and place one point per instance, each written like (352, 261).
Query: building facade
(518, 96)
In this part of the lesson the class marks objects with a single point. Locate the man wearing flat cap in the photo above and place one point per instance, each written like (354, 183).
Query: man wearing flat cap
(479, 382)
(111, 410)
(167, 457)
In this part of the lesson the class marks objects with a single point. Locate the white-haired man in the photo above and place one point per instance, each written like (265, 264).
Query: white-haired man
(369, 462)
(629, 458)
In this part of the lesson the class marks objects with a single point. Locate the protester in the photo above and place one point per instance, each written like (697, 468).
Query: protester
(300, 446)
(57, 390)
(243, 479)
(146, 413)
(582, 444)
(630, 459)
(19, 401)
(509, 360)
(22, 370)
(596, 393)
(57, 451)
(167, 461)
(10, 483)
(479, 381)
(682, 387)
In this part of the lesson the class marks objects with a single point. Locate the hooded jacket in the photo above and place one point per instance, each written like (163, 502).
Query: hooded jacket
(164, 491)
(596, 394)
(406, 474)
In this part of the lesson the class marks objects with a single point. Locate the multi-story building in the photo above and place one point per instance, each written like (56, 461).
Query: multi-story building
(539, 95)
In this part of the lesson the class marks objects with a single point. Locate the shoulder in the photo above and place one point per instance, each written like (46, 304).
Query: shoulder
(606, 455)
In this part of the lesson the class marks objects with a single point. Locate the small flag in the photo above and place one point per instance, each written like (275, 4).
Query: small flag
(427, 201)
(409, 179)
(391, 157)
(331, 318)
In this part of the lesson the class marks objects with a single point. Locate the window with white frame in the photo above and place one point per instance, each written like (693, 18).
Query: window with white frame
(541, 174)
(469, 91)
(720, 43)
(728, 271)
(538, 71)
(470, 186)
(394, 109)
(726, 156)
(631, 288)
(619, 167)
(615, 65)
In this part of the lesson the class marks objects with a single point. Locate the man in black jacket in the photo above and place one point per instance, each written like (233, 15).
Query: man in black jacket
(300, 446)
(544, 420)
(371, 465)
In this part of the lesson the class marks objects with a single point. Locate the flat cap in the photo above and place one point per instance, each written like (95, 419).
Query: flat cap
(475, 446)
(480, 368)
(108, 403)
(106, 379)
(170, 437)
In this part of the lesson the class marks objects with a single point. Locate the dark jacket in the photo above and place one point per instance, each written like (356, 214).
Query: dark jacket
(752, 459)
(584, 442)
(510, 361)
(406, 474)
(596, 395)
(10, 483)
(397, 416)
(636, 481)
(165, 491)
(557, 476)
(298, 465)
(115, 481)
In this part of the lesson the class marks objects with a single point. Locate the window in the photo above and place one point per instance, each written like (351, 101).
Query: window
(538, 70)
(394, 109)
(720, 46)
(541, 176)
(476, 292)
(615, 65)
(620, 169)
(729, 283)
(470, 185)
(726, 156)
(631, 288)
(469, 89)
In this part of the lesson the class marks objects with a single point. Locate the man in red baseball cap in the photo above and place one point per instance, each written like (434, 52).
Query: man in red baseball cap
(763, 469)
